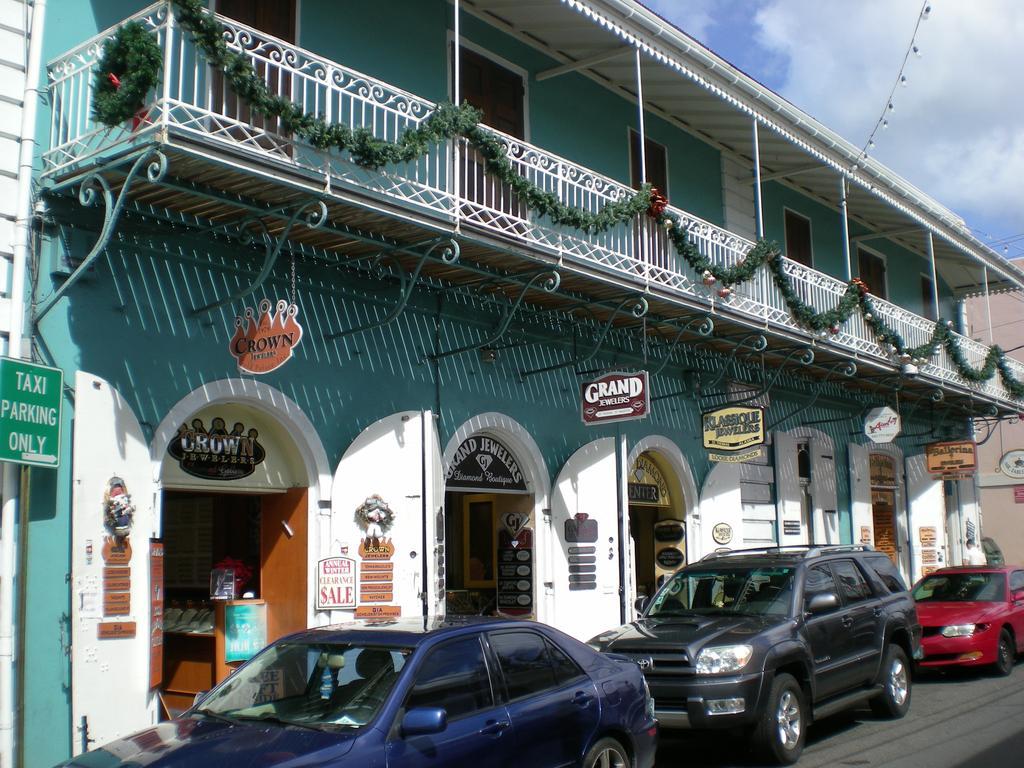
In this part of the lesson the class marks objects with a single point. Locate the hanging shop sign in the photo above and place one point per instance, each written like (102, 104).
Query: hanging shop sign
(30, 400)
(882, 470)
(882, 425)
(1012, 463)
(958, 458)
(266, 340)
(615, 397)
(733, 428)
(216, 454)
(483, 464)
(515, 571)
(335, 583)
(245, 629)
(647, 484)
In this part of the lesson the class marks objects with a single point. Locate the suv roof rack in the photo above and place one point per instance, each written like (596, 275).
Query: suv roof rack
(808, 550)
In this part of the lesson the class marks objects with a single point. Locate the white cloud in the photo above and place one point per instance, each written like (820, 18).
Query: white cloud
(957, 131)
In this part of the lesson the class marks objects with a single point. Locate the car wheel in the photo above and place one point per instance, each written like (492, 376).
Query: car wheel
(894, 700)
(1004, 654)
(606, 753)
(782, 728)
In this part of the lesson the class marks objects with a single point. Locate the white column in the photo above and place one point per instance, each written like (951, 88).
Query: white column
(640, 121)
(757, 183)
(935, 274)
(845, 221)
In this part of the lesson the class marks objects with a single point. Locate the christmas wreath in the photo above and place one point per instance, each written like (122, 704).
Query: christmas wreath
(127, 72)
(375, 517)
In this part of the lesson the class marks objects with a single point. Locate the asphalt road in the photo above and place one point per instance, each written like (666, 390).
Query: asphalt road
(956, 720)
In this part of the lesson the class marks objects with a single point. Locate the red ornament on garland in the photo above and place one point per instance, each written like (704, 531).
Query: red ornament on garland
(658, 204)
(833, 329)
(861, 286)
(114, 80)
(725, 293)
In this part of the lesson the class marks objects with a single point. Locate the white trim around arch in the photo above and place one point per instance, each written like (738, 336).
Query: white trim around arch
(517, 439)
(668, 450)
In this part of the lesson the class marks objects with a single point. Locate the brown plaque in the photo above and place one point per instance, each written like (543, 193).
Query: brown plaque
(117, 579)
(376, 577)
(117, 603)
(378, 612)
(377, 596)
(388, 567)
(112, 630)
(929, 556)
(116, 551)
(926, 535)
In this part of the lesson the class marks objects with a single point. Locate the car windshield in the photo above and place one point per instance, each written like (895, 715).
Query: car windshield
(725, 590)
(961, 587)
(328, 686)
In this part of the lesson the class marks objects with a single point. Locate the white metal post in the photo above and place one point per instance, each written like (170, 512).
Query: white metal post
(757, 183)
(640, 121)
(845, 222)
(988, 308)
(457, 99)
(935, 274)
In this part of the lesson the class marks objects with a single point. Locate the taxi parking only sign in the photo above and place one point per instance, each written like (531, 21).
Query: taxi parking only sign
(30, 400)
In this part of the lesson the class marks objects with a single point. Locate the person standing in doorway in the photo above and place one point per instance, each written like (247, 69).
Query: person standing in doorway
(973, 555)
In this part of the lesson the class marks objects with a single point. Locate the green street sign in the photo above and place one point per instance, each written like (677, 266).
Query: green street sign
(30, 400)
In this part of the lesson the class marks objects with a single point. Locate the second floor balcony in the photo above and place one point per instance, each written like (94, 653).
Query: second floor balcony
(225, 160)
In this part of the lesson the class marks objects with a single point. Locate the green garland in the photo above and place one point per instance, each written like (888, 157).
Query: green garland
(126, 73)
(129, 53)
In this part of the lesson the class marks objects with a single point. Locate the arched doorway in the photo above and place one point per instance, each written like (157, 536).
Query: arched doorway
(236, 501)
(495, 496)
(660, 492)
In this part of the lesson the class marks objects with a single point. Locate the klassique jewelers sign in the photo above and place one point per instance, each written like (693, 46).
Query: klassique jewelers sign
(733, 428)
(615, 397)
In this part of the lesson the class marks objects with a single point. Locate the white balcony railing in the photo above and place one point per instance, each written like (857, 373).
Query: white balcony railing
(195, 102)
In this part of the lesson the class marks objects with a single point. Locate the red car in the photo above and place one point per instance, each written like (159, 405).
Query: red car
(971, 616)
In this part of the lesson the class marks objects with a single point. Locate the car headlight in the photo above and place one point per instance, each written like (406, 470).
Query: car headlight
(723, 658)
(958, 630)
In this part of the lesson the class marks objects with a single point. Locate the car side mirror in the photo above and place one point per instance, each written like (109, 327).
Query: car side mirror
(423, 721)
(823, 603)
(1018, 596)
(641, 603)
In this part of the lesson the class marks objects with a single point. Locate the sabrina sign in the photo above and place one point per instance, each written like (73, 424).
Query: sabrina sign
(615, 397)
(882, 425)
(265, 342)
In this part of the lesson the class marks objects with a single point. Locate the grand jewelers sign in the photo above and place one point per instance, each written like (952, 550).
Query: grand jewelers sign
(733, 428)
(483, 464)
(615, 397)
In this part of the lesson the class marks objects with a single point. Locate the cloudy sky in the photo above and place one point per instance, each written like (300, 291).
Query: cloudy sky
(957, 130)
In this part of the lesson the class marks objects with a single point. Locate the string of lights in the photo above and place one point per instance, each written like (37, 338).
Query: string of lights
(913, 48)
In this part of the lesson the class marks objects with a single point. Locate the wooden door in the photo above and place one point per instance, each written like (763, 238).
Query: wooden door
(277, 19)
(284, 561)
(498, 93)
(872, 272)
(883, 523)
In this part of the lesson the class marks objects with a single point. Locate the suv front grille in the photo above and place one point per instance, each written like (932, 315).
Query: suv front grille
(658, 662)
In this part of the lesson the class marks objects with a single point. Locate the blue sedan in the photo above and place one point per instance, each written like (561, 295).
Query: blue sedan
(411, 693)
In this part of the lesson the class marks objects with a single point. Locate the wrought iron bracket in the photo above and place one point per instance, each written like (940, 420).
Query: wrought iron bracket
(754, 342)
(845, 367)
(551, 280)
(701, 325)
(637, 307)
(93, 187)
(450, 253)
(803, 355)
(314, 215)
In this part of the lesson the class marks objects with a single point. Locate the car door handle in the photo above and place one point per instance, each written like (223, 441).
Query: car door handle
(847, 622)
(582, 699)
(495, 727)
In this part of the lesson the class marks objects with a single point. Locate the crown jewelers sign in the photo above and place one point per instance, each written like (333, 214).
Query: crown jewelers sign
(266, 340)
(30, 401)
(615, 397)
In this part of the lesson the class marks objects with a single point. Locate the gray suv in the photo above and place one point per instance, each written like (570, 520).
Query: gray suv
(771, 639)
